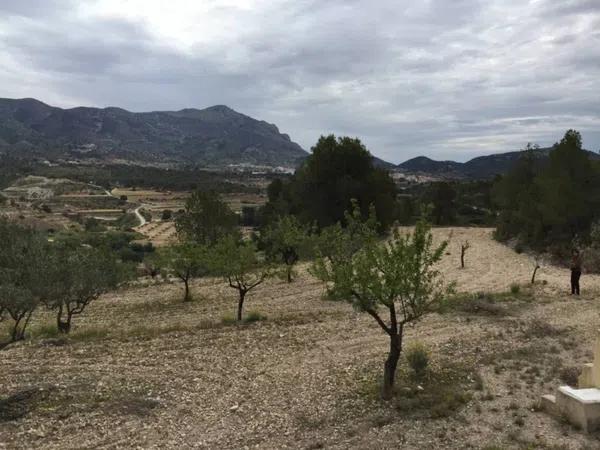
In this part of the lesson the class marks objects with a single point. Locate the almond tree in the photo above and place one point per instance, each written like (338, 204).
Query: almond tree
(239, 264)
(186, 261)
(285, 240)
(78, 276)
(396, 276)
(463, 249)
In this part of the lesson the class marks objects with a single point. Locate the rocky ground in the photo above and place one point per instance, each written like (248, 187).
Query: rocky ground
(144, 370)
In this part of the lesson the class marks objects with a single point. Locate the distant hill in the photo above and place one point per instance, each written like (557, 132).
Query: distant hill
(214, 136)
(481, 167)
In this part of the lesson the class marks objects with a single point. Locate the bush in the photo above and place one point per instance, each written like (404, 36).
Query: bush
(417, 357)
(167, 214)
(515, 288)
(254, 316)
(570, 376)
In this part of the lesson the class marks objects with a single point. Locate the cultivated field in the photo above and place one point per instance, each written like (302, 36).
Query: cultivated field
(144, 370)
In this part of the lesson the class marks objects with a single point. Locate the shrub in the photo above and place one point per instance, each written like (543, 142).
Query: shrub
(515, 288)
(417, 357)
(570, 376)
(254, 316)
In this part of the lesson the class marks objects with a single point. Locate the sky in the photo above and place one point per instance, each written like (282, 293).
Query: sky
(446, 79)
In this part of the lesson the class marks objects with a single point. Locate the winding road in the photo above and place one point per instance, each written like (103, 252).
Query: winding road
(136, 211)
(141, 218)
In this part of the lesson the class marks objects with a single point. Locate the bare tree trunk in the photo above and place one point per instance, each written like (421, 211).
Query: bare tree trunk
(534, 272)
(186, 296)
(241, 304)
(64, 326)
(289, 273)
(389, 373)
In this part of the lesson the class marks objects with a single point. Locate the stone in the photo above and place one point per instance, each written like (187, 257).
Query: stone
(580, 406)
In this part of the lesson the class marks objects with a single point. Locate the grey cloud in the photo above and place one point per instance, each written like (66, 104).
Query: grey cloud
(446, 79)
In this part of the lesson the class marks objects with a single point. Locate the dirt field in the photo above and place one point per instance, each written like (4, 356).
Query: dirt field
(144, 370)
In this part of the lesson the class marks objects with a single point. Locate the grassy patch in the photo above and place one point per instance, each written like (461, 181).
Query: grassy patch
(441, 392)
(490, 304)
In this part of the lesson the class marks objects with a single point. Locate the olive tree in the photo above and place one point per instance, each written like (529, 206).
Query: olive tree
(396, 277)
(239, 264)
(186, 261)
(285, 241)
(78, 276)
(23, 264)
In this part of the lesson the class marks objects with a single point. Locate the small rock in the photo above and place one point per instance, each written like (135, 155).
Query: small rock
(234, 408)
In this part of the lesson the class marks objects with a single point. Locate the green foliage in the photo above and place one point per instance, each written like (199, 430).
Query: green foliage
(417, 357)
(185, 261)
(167, 214)
(397, 275)
(337, 171)
(254, 316)
(130, 175)
(93, 225)
(126, 221)
(515, 288)
(205, 219)
(23, 268)
(238, 263)
(382, 274)
(285, 241)
(546, 205)
(76, 277)
(442, 195)
(336, 244)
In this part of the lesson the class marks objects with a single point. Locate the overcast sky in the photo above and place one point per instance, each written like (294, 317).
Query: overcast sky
(448, 79)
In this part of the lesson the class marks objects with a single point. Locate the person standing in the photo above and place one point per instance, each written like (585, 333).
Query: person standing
(575, 271)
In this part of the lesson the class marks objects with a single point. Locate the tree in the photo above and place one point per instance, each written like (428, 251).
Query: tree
(23, 267)
(78, 276)
(167, 214)
(337, 171)
(463, 249)
(569, 190)
(442, 196)
(536, 266)
(238, 263)
(517, 197)
(205, 219)
(186, 261)
(397, 276)
(284, 241)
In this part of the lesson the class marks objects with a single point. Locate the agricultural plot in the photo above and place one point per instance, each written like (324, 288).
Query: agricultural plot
(144, 370)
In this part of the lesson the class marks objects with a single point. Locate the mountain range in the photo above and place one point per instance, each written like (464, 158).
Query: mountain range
(205, 137)
(480, 167)
(216, 136)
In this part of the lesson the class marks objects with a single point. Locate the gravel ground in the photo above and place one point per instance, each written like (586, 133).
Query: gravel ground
(144, 370)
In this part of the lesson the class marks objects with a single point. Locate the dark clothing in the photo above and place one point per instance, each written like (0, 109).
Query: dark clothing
(576, 262)
(575, 274)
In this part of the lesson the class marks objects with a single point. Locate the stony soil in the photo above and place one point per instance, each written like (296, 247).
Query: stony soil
(144, 370)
